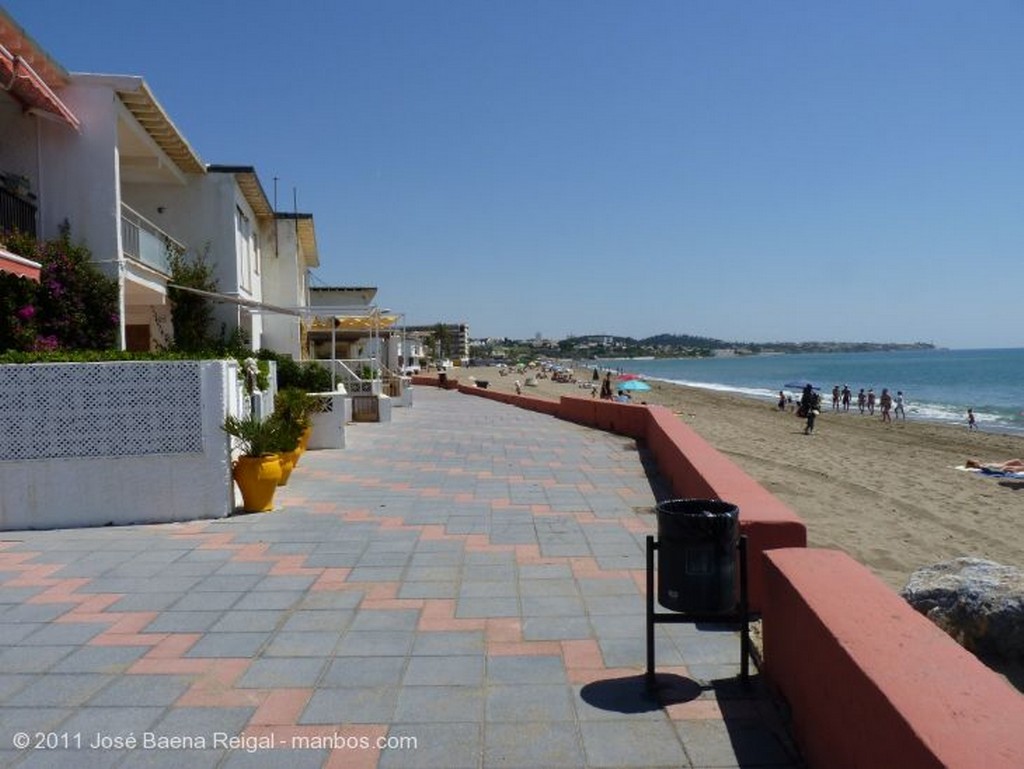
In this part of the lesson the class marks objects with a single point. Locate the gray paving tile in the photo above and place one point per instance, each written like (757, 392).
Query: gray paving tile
(379, 642)
(228, 645)
(207, 601)
(142, 691)
(27, 659)
(311, 644)
(529, 702)
(455, 704)
(556, 628)
(525, 669)
(543, 744)
(100, 659)
(632, 743)
(59, 690)
(451, 745)
(282, 673)
(364, 705)
(459, 670)
(399, 619)
(497, 606)
(733, 744)
(241, 621)
(449, 643)
(364, 671)
(202, 722)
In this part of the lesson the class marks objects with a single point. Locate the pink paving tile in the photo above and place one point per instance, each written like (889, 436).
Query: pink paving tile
(582, 653)
(592, 675)
(61, 592)
(540, 509)
(439, 615)
(380, 591)
(523, 648)
(332, 578)
(174, 646)
(219, 541)
(35, 575)
(504, 629)
(432, 532)
(292, 565)
(694, 710)
(215, 687)
(385, 604)
(281, 706)
(92, 604)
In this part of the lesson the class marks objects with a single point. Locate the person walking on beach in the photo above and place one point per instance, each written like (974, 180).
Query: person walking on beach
(898, 411)
(782, 401)
(835, 397)
(810, 403)
(846, 397)
(861, 400)
(972, 423)
(885, 404)
(606, 387)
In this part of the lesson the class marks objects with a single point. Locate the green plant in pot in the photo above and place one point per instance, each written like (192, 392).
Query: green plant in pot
(294, 406)
(258, 470)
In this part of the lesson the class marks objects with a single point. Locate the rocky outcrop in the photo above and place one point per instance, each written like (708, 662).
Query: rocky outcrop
(979, 603)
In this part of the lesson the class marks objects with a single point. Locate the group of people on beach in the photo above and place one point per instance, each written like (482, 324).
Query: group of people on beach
(888, 404)
(809, 405)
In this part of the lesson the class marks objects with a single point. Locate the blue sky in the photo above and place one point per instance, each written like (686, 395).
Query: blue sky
(750, 171)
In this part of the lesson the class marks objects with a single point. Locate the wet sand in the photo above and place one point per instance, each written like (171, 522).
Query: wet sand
(888, 495)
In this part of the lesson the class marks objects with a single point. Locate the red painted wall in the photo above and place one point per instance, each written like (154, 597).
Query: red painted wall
(872, 683)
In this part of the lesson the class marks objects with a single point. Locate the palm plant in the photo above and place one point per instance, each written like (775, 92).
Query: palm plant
(256, 437)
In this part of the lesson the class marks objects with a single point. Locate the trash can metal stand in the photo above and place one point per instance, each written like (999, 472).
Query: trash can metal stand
(705, 603)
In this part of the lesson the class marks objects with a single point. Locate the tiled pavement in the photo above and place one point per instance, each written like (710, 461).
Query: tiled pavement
(467, 579)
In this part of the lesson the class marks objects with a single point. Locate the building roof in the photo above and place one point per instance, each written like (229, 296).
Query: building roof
(306, 235)
(249, 184)
(29, 74)
(139, 100)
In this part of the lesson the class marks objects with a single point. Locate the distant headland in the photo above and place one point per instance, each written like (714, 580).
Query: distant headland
(685, 345)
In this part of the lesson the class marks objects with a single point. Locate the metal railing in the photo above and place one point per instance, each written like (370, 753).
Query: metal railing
(16, 213)
(144, 241)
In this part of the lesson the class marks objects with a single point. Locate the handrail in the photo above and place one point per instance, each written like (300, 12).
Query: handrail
(144, 241)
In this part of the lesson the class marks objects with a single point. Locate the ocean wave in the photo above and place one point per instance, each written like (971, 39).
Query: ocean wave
(988, 418)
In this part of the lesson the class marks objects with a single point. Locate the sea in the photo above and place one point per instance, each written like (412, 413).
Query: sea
(938, 385)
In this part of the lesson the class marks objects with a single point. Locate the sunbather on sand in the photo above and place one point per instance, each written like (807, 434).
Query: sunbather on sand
(1009, 466)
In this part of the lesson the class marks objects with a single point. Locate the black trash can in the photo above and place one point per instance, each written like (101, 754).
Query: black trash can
(442, 379)
(697, 541)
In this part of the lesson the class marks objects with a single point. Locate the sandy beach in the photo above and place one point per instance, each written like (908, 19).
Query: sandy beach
(889, 495)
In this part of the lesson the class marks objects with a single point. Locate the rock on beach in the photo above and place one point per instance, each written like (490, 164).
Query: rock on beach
(979, 603)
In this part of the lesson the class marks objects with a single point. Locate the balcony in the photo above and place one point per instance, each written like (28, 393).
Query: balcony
(17, 212)
(145, 242)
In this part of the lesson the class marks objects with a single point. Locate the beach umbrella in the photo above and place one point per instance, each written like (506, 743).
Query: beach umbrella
(636, 385)
(628, 377)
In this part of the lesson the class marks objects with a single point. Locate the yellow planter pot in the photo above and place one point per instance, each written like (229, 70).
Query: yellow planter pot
(257, 478)
(288, 461)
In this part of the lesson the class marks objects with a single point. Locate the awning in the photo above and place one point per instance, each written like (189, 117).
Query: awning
(356, 322)
(21, 81)
(19, 265)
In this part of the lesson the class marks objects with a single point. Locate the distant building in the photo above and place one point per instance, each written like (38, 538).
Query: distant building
(458, 339)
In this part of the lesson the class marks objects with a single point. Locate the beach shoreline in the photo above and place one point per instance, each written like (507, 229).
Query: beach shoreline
(888, 495)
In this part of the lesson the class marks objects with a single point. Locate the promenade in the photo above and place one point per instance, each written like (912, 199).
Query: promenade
(460, 587)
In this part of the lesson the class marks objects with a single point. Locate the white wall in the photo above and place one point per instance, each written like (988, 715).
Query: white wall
(78, 173)
(154, 448)
(284, 286)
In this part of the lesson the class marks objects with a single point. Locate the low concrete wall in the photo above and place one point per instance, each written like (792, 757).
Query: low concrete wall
(872, 683)
(90, 444)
